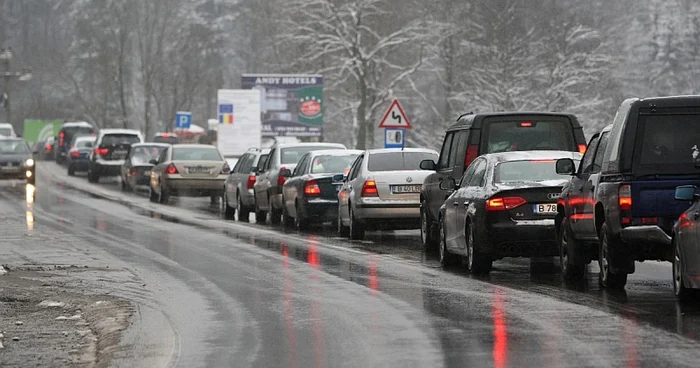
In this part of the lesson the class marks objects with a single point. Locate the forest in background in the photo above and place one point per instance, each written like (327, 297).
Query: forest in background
(134, 63)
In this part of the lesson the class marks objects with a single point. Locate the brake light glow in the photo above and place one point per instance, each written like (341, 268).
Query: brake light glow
(311, 188)
(101, 151)
(625, 197)
(472, 152)
(132, 172)
(369, 189)
(281, 179)
(171, 169)
(684, 221)
(504, 203)
(526, 124)
(251, 182)
(60, 138)
(75, 154)
(48, 147)
(582, 148)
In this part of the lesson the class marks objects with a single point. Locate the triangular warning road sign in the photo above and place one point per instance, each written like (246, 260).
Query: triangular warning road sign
(395, 117)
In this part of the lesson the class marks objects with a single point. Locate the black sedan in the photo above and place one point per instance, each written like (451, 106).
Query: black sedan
(503, 206)
(136, 171)
(686, 244)
(311, 192)
(16, 161)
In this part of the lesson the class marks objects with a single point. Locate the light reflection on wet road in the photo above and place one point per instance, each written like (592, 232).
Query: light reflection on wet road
(482, 321)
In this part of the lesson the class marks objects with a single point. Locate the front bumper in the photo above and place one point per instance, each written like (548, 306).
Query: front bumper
(17, 172)
(79, 163)
(527, 238)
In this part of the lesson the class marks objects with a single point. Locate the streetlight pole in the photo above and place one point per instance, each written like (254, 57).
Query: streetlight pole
(6, 56)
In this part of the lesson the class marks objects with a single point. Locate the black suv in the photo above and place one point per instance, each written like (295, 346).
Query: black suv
(619, 206)
(477, 134)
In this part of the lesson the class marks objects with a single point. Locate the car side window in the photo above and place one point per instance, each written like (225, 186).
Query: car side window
(468, 174)
(477, 179)
(587, 162)
(356, 168)
(301, 167)
(270, 158)
(239, 164)
(600, 152)
(444, 160)
(163, 156)
(457, 142)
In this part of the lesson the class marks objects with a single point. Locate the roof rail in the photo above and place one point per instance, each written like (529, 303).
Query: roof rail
(463, 115)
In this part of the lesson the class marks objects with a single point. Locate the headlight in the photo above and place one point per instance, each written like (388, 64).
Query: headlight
(29, 162)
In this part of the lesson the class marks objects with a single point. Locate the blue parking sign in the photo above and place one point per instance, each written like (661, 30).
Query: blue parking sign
(394, 138)
(183, 120)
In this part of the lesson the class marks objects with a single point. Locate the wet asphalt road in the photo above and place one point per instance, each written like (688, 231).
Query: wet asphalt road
(261, 297)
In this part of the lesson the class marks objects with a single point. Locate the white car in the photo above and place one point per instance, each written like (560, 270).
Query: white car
(110, 151)
(7, 131)
(382, 191)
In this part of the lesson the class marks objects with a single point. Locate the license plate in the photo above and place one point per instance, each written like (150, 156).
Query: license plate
(398, 189)
(198, 170)
(119, 154)
(544, 209)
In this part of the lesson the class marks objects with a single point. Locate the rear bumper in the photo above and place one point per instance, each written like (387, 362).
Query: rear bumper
(394, 215)
(324, 209)
(528, 238)
(79, 163)
(651, 235)
(196, 187)
(107, 168)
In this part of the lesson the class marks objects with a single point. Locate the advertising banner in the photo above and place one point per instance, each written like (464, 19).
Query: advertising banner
(292, 104)
(239, 121)
(40, 130)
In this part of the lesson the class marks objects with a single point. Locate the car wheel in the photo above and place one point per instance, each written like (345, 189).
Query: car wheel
(570, 271)
(343, 230)
(229, 212)
(152, 195)
(163, 196)
(275, 214)
(260, 215)
(92, 177)
(287, 221)
(427, 236)
(71, 170)
(243, 212)
(302, 222)
(478, 263)
(357, 230)
(446, 258)
(606, 277)
(682, 292)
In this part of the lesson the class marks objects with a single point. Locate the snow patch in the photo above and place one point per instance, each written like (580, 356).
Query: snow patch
(51, 304)
(2, 270)
(71, 318)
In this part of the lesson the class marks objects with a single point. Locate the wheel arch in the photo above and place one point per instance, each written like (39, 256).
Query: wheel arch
(598, 217)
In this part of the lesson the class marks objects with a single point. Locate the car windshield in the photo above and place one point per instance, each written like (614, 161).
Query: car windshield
(144, 154)
(527, 171)
(669, 144)
(526, 135)
(13, 146)
(397, 161)
(328, 164)
(6, 132)
(196, 154)
(291, 155)
(70, 132)
(114, 139)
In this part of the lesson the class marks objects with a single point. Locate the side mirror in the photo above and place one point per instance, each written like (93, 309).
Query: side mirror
(428, 165)
(339, 177)
(285, 173)
(153, 162)
(686, 193)
(566, 166)
(448, 184)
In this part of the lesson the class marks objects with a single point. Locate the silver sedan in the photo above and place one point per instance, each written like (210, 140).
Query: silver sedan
(382, 191)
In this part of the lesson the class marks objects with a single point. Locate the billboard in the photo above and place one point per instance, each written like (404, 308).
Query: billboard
(292, 104)
(239, 125)
(39, 130)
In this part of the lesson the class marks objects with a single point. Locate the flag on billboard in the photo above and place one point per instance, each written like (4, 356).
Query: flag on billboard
(226, 114)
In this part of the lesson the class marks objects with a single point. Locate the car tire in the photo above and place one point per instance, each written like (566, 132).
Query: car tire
(163, 196)
(287, 221)
(427, 235)
(92, 177)
(567, 245)
(71, 170)
(447, 259)
(357, 229)
(243, 211)
(260, 215)
(275, 214)
(302, 222)
(477, 263)
(228, 211)
(682, 292)
(152, 195)
(606, 278)
(343, 230)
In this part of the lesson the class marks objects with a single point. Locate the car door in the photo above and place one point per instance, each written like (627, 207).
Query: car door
(262, 183)
(587, 226)
(344, 192)
(470, 186)
(451, 204)
(291, 191)
(354, 184)
(578, 195)
(437, 196)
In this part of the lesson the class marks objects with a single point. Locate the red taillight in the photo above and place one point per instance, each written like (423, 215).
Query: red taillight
(504, 203)
(48, 147)
(60, 138)
(625, 197)
(251, 182)
(132, 172)
(75, 154)
(311, 188)
(582, 148)
(171, 169)
(369, 189)
(101, 151)
(281, 179)
(472, 152)
(684, 221)
(61, 134)
(526, 124)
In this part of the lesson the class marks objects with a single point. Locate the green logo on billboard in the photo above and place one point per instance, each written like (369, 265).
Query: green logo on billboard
(310, 105)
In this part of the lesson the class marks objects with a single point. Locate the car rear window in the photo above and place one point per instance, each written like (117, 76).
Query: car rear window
(71, 131)
(291, 155)
(527, 171)
(144, 154)
(113, 139)
(667, 144)
(396, 161)
(328, 164)
(196, 154)
(84, 143)
(528, 135)
(169, 139)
